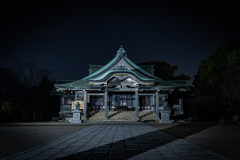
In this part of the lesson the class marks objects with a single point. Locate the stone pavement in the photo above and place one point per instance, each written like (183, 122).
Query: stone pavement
(117, 140)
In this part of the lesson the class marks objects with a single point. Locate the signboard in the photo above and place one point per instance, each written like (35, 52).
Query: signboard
(75, 102)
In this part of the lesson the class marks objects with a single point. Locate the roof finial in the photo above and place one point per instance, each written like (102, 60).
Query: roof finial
(121, 52)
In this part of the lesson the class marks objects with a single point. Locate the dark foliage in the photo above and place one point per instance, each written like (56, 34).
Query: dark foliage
(217, 85)
(165, 71)
(24, 96)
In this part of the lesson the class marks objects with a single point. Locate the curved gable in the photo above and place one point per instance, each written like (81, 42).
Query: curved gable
(122, 64)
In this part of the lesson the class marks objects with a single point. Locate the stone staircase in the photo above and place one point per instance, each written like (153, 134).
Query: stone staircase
(121, 116)
(147, 116)
(96, 115)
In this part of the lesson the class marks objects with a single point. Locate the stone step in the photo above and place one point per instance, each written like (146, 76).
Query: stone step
(122, 115)
(146, 116)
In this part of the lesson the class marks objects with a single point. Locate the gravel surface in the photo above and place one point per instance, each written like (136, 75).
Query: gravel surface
(17, 137)
(221, 139)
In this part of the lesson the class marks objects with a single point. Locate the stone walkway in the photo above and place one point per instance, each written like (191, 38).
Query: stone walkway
(117, 140)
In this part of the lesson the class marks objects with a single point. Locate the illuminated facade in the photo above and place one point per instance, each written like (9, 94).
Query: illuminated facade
(122, 85)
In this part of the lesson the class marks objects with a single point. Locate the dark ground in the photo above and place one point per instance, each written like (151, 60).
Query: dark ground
(221, 139)
(17, 137)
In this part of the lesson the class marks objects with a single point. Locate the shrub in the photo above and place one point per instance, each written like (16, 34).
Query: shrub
(231, 111)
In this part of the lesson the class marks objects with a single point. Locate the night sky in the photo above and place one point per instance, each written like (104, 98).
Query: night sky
(68, 36)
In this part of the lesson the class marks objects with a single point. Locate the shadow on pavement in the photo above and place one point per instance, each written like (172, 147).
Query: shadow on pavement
(187, 129)
(126, 148)
(135, 146)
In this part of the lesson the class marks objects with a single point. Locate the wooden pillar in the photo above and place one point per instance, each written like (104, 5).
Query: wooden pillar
(157, 106)
(62, 100)
(76, 96)
(88, 98)
(76, 92)
(153, 102)
(163, 98)
(85, 104)
(136, 104)
(182, 111)
(105, 104)
(61, 104)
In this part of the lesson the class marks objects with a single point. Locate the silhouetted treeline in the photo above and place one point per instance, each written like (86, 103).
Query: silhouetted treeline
(24, 93)
(165, 71)
(217, 84)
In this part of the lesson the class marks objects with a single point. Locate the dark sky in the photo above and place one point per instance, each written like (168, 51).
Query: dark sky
(68, 36)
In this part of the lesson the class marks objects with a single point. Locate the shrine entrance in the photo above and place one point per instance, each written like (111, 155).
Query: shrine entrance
(145, 103)
(118, 102)
(121, 102)
(97, 102)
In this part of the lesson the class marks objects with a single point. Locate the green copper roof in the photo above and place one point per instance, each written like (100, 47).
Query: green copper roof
(120, 71)
(148, 68)
(103, 68)
(100, 74)
(161, 84)
(94, 68)
(80, 84)
(126, 67)
(140, 69)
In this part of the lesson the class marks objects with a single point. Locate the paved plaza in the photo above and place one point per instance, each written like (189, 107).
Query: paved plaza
(117, 140)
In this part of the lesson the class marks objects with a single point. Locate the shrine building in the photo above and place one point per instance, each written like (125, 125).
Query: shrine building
(122, 86)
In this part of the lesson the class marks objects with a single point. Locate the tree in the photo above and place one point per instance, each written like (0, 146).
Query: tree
(24, 89)
(222, 59)
(29, 73)
(165, 71)
(217, 85)
(11, 91)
